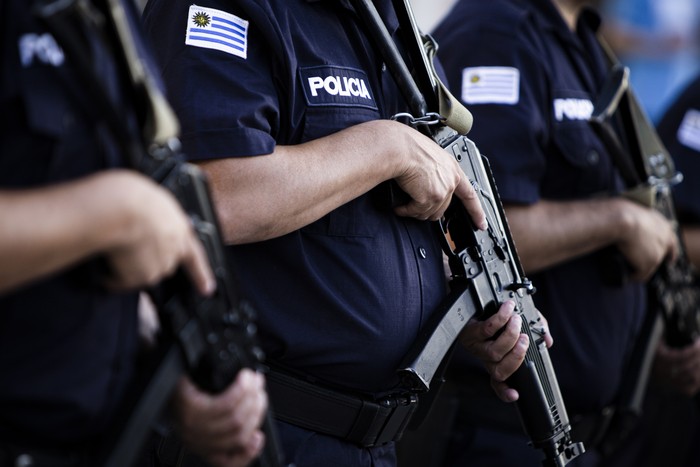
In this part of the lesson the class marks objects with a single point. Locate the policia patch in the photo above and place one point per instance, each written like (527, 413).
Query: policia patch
(336, 86)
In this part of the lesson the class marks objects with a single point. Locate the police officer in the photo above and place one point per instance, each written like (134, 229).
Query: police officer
(669, 430)
(69, 343)
(530, 83)
(286, 105)
(679, 129)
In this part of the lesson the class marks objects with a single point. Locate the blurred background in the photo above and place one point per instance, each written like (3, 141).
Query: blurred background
(659, 40)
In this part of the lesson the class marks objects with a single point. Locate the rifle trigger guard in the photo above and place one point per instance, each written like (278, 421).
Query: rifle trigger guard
(525, 284)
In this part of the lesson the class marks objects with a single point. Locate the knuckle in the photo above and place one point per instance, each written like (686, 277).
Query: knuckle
(493, 354)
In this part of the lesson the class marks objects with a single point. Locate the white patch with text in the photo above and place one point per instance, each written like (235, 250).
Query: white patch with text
(572, 109)
(40, 47)
(337, 86)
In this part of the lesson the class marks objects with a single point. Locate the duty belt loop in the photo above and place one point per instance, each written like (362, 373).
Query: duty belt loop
(365, 429)
(398, 420)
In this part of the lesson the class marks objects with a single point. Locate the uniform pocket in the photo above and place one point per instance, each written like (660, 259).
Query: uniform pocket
(358, 218)
(46, 103)
(583, 166)
(54, 129)
(324, 121)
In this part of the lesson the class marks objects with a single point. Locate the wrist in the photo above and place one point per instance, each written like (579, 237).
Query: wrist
(116, 207)
(623, 218)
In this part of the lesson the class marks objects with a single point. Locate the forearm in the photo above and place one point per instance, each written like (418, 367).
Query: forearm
(262, 197)
(47, 229)
(691, 237)
(548, 233)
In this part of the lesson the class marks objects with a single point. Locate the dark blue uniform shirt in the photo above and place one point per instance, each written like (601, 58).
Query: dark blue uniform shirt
(679, 129)
(530, 83)
(67, 348)
(343, 298)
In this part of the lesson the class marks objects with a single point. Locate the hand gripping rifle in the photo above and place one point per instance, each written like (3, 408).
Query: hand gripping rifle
(209, 338)
(673, 292)
(649, 173)
(484, 264)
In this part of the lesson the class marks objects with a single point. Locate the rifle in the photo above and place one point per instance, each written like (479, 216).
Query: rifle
(673, 293)
(209, 338)
(485, 268)
(649, 173)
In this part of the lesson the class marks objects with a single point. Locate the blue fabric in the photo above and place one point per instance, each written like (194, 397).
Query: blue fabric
(305, 448)
(67, 347)
(341, 299)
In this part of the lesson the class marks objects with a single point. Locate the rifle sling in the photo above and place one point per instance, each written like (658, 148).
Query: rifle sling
(422, 49)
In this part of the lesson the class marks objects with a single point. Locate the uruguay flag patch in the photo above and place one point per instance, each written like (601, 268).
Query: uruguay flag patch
(490, 85)
(216, 29)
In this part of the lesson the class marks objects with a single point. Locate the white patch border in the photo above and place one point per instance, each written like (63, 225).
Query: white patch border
(214, 45)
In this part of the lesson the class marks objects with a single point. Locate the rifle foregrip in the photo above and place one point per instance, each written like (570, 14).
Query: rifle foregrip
(217, 334)
(489, 261)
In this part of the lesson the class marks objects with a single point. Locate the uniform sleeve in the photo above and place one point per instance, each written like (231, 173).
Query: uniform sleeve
(503, 86)
(227, 104)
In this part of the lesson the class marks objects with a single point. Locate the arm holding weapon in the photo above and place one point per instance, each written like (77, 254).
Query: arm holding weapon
(649, 172)
(485, 268)
(672, 317)
(485, 273)
(210, 338)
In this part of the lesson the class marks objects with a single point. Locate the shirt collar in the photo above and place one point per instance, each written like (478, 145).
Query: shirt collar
(384, 7)
(587, 22)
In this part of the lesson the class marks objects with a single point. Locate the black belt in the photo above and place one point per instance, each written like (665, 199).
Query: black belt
(352, 418)
(606, 430)
(594, 430)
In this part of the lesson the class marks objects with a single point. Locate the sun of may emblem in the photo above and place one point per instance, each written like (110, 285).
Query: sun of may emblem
(201, 19)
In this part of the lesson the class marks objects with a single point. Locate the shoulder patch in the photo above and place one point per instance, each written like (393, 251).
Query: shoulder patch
(215, 29)
(491, 85)
(689, 131)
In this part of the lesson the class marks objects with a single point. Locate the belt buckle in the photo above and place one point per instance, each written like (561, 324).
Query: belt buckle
(402, 408)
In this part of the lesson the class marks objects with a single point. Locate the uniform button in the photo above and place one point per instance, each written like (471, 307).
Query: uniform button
(422, 252)
(593, 157)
